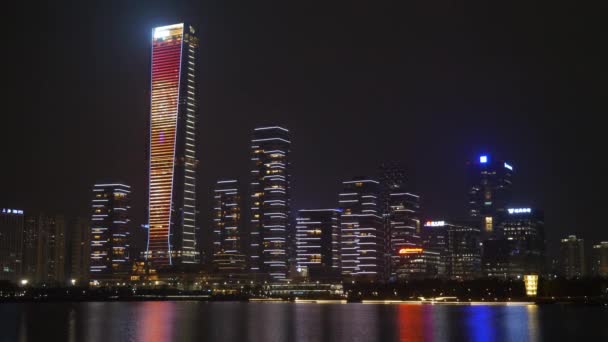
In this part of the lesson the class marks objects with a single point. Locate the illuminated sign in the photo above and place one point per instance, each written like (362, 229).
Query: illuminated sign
(12, 211)
(434, 224)
(410, 250)
(483, 159)
(507, 166)
(531, 284)
(519, 210)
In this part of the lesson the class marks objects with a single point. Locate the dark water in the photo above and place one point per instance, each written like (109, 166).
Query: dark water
(267, 322)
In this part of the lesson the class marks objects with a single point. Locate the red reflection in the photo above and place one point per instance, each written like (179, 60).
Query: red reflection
(155, 322)
(410, 322)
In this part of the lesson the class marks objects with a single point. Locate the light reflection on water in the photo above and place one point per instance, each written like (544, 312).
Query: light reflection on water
(263, 322)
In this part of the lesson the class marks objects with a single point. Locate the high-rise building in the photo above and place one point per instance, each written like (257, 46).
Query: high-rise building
(11, 244)
(463, 257)
(599, 259)
(228, 253)
(363, 247)
(80, 250)
(110, 233)
(401, 209)
(51, 253)
(172, 172)
(572, 257)
(272, 240)
(435, 239)
(524, 228)
(30, 246)
(318, 243)
(489, 191)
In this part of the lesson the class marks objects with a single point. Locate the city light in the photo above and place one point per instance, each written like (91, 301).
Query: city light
(434, 224)
(507, 166)
(483, 159)
(531, 282)
(410, 250)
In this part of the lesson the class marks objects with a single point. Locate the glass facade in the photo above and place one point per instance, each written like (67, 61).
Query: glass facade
(172, 176)
(228, 256)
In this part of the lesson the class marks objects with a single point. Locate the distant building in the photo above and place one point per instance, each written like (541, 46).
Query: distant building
(489, 191)
(599, 259)
(172, 160)
(51, 250)
(272, 238)
(31, 230)
(228, 253)
(572, 257)
(80, 250)
(110, 233)
(318, 243)
(418, 263)
(11, 244)
(525, 228)
(435, 239)
(364, 245)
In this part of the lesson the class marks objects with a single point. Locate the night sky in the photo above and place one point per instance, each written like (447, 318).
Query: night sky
(429, 83)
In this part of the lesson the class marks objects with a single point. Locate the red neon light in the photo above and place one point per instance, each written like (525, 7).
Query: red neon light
(410, 250)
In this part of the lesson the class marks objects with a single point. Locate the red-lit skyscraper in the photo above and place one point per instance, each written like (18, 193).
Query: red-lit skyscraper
(172, 159)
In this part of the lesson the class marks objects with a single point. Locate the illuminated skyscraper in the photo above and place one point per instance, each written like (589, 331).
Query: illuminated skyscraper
(51, 253)
(172, 182)
(363, 247)
(599, 259)
(271, 229)
(228, 256)
(489, 191)
(318, 243)
(110, 234)
(11, 244)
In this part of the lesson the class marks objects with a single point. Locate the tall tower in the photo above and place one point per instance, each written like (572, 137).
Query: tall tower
(172, 182)
(228, 256)
(363, 247)
(270, 202)
(318, 243)
(11, 244)
(110, 235)
(489, 191)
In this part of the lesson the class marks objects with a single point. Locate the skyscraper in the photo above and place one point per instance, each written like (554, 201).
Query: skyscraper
(401, 210)
(463, 257)
(489, 191)
(228, 256)
(172, 175)
(271, 230)
(363, 247)
(110, 233)
(572, 257)
(318, 243)
(11, 244)
(524, 228)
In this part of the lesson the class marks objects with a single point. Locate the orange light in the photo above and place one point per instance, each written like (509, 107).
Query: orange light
(410, 250)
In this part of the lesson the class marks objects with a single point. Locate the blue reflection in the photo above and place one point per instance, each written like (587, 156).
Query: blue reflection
(479, 322)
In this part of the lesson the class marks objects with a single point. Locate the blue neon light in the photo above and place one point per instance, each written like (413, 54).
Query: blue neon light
(483, 159)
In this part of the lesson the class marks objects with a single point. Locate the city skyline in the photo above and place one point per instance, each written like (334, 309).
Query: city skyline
(543, 175)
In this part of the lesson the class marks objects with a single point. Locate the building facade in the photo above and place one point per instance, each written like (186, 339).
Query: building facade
(490, 184)
(80, 250)
(364, 245)
(599, 259)
(463, 257)
(51, 250)
(11, 244)
(524, 228)
(228, 245)
(318, 243)
(571, 262)
(272, 238)
(172, 150)
(110, 234)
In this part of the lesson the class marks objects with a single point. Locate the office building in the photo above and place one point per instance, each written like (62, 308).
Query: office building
(228, 253)
(318, 243)
(272, 239)
(524, 228)
(363, 248)
(489, 192)
(110, 234)
(417, 263)
(599, 259)
(11, 244)
(571, 262)
(172, 150)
